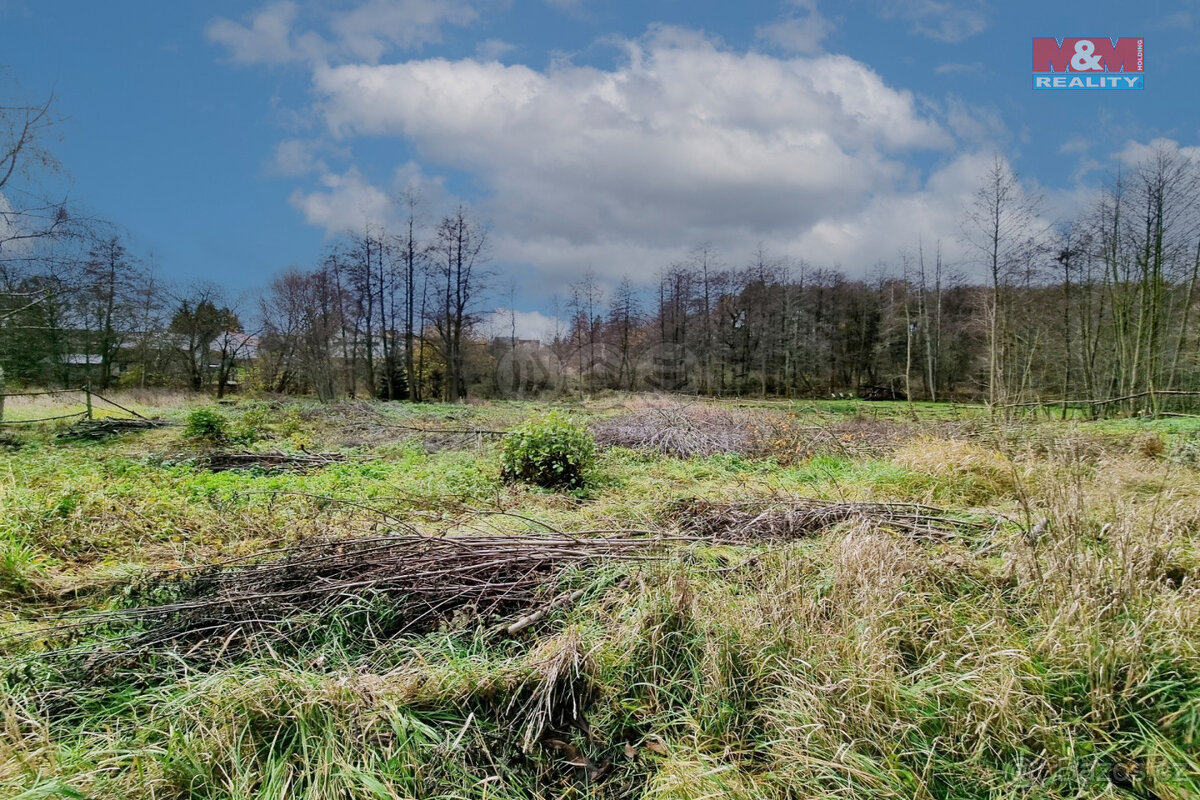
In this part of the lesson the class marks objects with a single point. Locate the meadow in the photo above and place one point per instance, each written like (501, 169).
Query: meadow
(763, 599)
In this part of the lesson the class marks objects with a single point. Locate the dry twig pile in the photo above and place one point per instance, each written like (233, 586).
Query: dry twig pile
(97, 429)
(703, 430)
(682, 431)
(760, 520)
(271, 461)
(413, 583)
(409, 583)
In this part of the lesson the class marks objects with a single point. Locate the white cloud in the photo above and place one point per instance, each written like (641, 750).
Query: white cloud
(347, 202)
(1085, 168)
(955, 68)
(1076, 144)
(855, 240)
(294, 157)
(684, 141)
(797, 33)
(493, 49)
(369, 30)
(943, 20)
(980, 125)
(1135, 153)
(366, 31)
(267, 38)
(893, 220)
(529, 325)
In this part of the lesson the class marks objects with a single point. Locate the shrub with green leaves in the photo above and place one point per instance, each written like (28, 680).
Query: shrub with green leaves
(549, 450)
(207, 425)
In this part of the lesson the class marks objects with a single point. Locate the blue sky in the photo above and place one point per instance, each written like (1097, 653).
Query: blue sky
(233, 139)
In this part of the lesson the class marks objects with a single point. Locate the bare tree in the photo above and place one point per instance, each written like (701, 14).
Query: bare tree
(26, 216)
(301, 324)
(112, 283)
(1002, 225)
(412, 255)
(624, 316)
(201, 317)
(459, 257)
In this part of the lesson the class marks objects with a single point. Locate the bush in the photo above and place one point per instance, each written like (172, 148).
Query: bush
(549, 450)
(207, 425)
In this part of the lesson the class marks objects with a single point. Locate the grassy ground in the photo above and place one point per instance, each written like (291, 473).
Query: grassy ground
(1052, 654)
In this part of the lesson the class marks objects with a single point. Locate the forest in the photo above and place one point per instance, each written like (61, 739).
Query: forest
(1096, 311)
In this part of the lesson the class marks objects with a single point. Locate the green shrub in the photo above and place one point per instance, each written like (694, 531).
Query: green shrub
(252, 426)
(549, 450)
(207, 425)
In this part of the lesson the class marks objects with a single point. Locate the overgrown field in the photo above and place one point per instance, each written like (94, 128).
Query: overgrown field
(280, 599)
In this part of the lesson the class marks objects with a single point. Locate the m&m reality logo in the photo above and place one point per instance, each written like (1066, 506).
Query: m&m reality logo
(1092, 63)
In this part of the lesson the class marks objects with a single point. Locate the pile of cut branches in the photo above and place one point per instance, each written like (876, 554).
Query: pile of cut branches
(796, 518)
(408, 583)
(681, 430)
(97, 429)
(275, 461)
(699, 429)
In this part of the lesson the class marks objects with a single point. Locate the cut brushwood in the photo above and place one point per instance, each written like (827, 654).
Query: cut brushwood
(271, 461)
(96, 429)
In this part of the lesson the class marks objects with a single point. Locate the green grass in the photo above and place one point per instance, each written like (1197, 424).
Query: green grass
(861, 662)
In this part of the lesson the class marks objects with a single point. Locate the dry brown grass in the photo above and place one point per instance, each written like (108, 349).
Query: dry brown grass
(700, 429)
(845, 657)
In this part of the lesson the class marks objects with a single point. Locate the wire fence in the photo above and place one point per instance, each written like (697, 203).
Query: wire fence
(89, 397)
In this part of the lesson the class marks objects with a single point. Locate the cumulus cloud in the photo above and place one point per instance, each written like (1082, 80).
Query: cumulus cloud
(529, 325)
(682, 141)
(893, 220)
(283, 32)
(855, 240)
(346, 202)
(1135, 153)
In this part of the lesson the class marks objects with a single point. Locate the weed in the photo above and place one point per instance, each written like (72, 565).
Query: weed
(549, 450)
(207, 425)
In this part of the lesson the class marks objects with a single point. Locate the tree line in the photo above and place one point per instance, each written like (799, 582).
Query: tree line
(1098, 310)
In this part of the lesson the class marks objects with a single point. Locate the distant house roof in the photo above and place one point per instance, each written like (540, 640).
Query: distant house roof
(89, 359)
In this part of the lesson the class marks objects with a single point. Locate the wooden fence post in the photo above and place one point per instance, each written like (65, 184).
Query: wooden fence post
(1, 394)
(87, 392)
